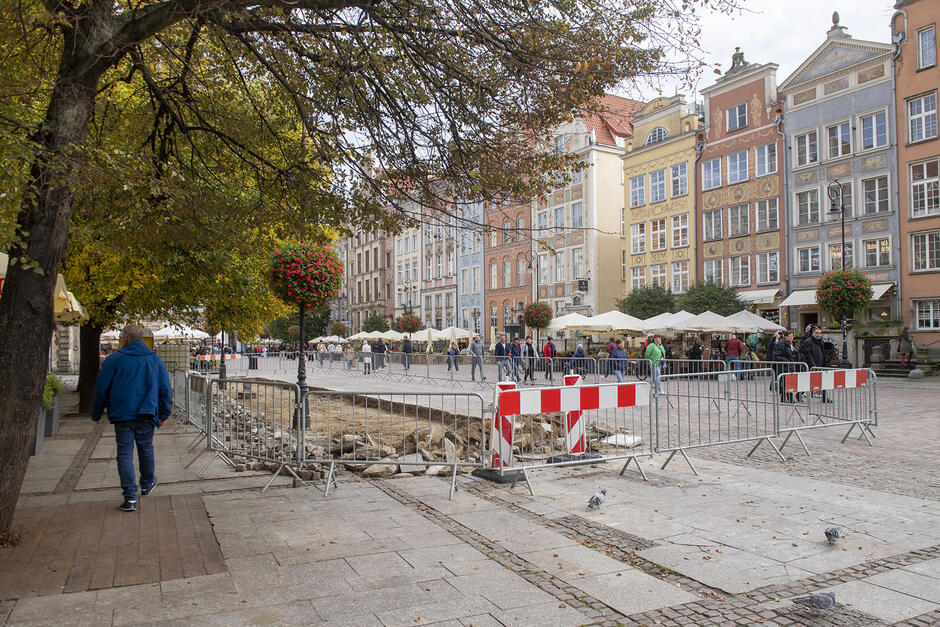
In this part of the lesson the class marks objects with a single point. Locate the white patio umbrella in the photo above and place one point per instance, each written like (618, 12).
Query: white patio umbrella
(613, 322)
(335, 339)
(392, 335)
(757, 323)
(681, 316)
(112, 335)
(357, 336)
(66, 307)
(453, 334)
(179, 332)
(567, 322)
(710, 322)
(426, 335)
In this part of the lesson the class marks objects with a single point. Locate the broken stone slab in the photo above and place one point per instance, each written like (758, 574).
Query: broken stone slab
(916, 373)
(434, 471)
(413, 463)
(381, 470)
(402, 475)
(623, 439)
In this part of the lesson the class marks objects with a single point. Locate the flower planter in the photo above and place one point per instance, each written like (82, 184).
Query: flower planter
(51, 421)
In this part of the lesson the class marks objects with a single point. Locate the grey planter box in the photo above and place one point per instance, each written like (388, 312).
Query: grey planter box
(40, 429)
(52, 418)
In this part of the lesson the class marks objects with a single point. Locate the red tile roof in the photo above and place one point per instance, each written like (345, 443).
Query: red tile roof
(610, 117)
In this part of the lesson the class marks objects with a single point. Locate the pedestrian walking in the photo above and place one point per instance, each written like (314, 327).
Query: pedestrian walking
(550, 355)
(529, 358)
(578, 362)
(906, 347)
(501, 351)
(611, 345)
(378, 350)
(133, 386)
(813, 354)
(476, 358)
(655, 354)
(366, 357)
(515, 354)
(350, 356)
(406, 352)
(452, 353)
(783, 355)
(734, 348)
(618, 360)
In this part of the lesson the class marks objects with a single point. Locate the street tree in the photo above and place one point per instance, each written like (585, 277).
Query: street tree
(710, 296)
(647, 301)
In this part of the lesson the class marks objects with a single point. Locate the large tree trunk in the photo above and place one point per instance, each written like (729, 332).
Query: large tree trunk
(26, 306)
(88, 365)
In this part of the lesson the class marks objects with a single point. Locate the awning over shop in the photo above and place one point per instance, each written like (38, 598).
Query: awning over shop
(800, 297)
(880, 289)
(759, 297)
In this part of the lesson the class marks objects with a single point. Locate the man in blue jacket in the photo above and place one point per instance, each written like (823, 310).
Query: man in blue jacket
(134, 386)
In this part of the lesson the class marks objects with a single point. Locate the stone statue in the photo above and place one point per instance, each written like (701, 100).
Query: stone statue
(835, 18)
(737, 59)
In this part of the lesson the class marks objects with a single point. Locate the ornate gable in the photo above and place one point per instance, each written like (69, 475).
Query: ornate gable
(835, 59)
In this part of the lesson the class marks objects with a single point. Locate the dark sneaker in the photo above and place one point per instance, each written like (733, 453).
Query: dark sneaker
(146, 491)
(129, 506)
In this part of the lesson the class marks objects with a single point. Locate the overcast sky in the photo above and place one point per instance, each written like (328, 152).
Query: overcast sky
(784, 32)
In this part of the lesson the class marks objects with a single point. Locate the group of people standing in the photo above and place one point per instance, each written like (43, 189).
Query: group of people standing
(511, 355)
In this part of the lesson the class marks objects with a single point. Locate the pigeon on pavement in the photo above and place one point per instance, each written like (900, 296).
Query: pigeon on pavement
(817, 600)
(832, 535)
(598, 499)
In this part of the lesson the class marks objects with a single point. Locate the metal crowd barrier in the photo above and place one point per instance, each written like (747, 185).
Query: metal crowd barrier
(633, 368)
(405, 430)
(704, 409)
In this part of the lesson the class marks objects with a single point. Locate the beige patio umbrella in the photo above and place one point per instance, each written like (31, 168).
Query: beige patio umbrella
(710, 322)
(757, 323)
(65, 306)
(568, 322)
(613, 322)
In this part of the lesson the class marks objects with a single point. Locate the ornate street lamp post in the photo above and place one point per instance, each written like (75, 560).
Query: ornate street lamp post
(836, 196)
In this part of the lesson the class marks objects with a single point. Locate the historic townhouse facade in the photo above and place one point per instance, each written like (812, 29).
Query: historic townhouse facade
(659, 174)
(506, 264)
(339, 305)
(407, 264)
(470, 303)
(439, 278)
(841, 138)
(740, 210)
(369, 284)
(914, 28)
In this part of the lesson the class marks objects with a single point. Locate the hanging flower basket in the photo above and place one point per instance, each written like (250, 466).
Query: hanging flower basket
(537, 315)
(338, 328)
(409, 323)
(843, 294)
(305, 275)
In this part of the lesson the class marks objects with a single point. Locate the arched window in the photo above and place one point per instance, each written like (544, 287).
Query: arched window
(657, 135)
(576, 300)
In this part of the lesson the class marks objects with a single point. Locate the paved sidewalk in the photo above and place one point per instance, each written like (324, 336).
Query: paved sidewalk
(730, 546)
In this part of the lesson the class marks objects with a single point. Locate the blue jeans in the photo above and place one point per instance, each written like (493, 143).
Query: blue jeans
(737, 362)
(657, 371)
(619, 375)
(126, 434)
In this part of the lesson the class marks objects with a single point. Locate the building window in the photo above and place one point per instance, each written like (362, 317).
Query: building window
(658, 275)
(713, 270)
(658, 185)
(476, 279)
(507, 232)
(738, 220)
(928, 314)
(559, 219)
(637, 277)
(737, 117)
(507, 316)
(808, 207)
(767, 215)
(559, 268)
(835, 256)
(808, 259)
(840, 139)
(680, 276)
(623, 222)
(737, 167)
(680, 230)
(926, 47)
(926, 250)
(658, 234)
(577, 261)
(711, 174)
(637, 191)
(521, 268)
(922, 117)
(806, 148)
(414, 270)
(875, 195)
(925, 189)
(680, 179)
(638, 238)
(711, 225)
(543, 268)
(399, 273)
(507, 274)
(451, 263)
(657, 135)
(494, 277)
(766, 159)
(520, 227)
(844, 203)
(767, 269)
(464, 280)
(439, 264)
(494, 318)
(877, 252)
(739, 271)
(543, 223)
(623, 264)
(577, 215)
(874, 130)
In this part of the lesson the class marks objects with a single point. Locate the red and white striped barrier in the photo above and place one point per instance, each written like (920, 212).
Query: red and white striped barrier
(574, 424)
(216, 357)
(501, 432)
(825, 380)
(569, 399)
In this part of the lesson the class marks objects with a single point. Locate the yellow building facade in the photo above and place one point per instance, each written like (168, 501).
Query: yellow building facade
(659, 179)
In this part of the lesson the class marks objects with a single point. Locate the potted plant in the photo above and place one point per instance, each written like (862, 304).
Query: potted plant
(51, 404)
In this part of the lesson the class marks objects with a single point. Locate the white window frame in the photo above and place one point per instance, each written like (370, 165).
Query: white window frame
(844, 135)
(679, 179)
(743, 270)
(878, 199)
(833, 212)
(767, 165)
(637, 191)
(928, 36)
(873, 116)
(637, 277)
(810, 148)
(928, 257)
(680, 228)
(878, 251)
(933, 314)
(623, 223)
(926, 183)
(735, 211)
(766, 276)
(657, 236)
(737, 114)
(711, 170)
(850, 245)
(796, 204)
(709, 270)
(659, 278)
(623, 264)
(579, 222)
(577, 263)
(560, 268)
(638, 238)
(680, 276)
(712, 218)
(798, 259)
(763, 209)
(926, 119)
(658, 186)
(656, 136)
(735, 174)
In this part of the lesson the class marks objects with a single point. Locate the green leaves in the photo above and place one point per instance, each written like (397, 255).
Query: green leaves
(648, 301)
(710, 296)
(843, 293)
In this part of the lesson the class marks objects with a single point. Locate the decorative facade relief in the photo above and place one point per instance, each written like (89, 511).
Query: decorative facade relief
(836, 85)
(804, 96)
(841, 169)
(805, 178)
(767, 241)
(810, 235)
(876, 162)
(874, 226)
(871, 74)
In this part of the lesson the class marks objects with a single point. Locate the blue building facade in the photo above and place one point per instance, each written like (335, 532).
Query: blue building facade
(470, 314)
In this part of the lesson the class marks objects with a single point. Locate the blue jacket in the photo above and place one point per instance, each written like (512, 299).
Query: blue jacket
(618, 357)
(133, 381)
